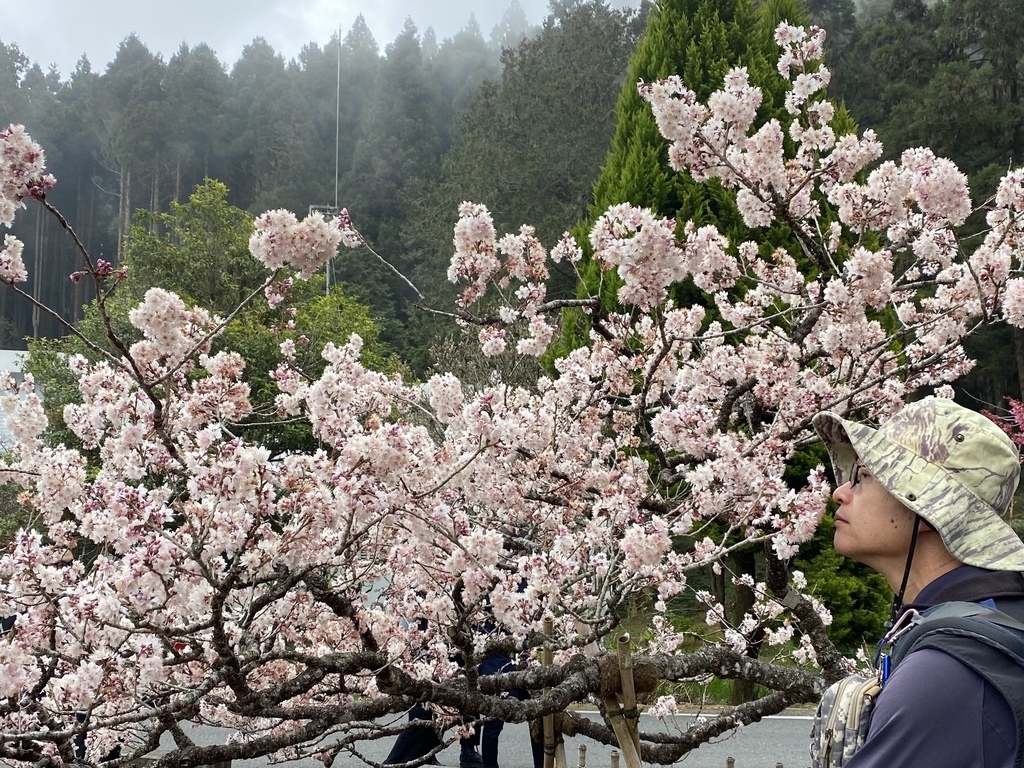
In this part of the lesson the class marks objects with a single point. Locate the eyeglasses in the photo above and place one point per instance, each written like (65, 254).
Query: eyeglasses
(855, 476)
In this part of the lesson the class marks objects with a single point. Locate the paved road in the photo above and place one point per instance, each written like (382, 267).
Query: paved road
(779, 739)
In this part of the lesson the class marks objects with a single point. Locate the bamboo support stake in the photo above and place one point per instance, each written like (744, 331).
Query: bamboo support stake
(546, 658)
(592, 649)
(628, 689)
(561, 761)
(622, 733)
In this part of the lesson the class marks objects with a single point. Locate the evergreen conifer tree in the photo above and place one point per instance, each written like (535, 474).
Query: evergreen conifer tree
(700, 40)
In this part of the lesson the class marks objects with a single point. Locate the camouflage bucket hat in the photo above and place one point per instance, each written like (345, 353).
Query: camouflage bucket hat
(950, 465)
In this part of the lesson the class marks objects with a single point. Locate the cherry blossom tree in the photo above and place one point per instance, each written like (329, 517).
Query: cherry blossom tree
(1010, 419)
(308, 600)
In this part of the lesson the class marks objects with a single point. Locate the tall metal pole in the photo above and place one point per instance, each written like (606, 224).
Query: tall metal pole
(337, 153)
(337, 125)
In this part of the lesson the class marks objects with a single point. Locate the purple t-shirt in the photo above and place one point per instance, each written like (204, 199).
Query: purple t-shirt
(936, 712)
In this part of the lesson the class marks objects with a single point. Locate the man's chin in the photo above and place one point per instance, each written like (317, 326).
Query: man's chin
(840, 546)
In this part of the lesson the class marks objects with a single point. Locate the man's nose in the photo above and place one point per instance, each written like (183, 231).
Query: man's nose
(842, 493)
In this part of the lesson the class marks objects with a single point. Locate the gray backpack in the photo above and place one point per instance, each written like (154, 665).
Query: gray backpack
(841, 722)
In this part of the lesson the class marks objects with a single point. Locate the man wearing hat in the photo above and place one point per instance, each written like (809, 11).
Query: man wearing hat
(921, 500)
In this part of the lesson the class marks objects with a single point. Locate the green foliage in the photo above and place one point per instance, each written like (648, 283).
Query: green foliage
(512, 29)
(995, 376)
(945, 75)
(13, 516)
(400, 143)
(838, 19)
(400, 139)
(199, 250)
(132, 99)
(275, 141)
(13, 66)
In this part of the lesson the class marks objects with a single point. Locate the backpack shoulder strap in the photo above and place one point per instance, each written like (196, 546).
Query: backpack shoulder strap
(988, 641)
(990, 584)
(958, 609)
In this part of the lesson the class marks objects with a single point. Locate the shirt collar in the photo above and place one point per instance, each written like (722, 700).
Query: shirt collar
(932, 593)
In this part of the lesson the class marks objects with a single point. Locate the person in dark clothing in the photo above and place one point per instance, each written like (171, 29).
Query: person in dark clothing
(477, 751)
(921, 501)
(487, 735)
(415, 742)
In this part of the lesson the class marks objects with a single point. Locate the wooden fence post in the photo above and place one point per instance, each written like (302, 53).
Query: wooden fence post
(621, 716)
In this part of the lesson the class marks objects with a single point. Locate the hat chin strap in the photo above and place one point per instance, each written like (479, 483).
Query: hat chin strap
(897, 601)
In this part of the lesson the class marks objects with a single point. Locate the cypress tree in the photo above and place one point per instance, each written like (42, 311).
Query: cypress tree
(700, 40)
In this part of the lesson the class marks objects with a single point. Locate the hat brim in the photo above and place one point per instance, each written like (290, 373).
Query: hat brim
(972, 531)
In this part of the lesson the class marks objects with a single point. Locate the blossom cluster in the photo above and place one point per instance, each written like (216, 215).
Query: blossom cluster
(516, 266)
(280, 239)
(12, 268)
(22, 166)
(172, 333)
(22, 175)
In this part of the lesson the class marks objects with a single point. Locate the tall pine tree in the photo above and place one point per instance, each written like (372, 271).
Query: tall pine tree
(700, 40)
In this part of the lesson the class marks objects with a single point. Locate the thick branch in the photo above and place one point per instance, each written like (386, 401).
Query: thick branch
(832, 662)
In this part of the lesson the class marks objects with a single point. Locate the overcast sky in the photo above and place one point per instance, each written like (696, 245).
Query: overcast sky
(60, 31)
